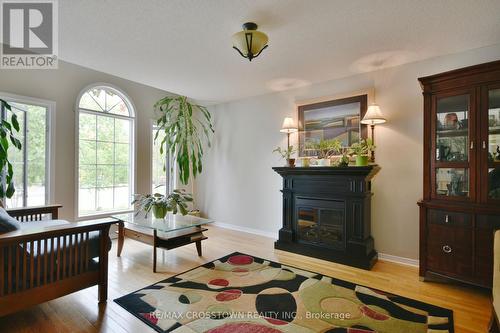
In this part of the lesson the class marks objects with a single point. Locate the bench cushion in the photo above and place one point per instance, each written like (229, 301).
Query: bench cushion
(7, 222)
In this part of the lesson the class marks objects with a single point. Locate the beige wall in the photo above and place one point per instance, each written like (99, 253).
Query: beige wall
(62, 86)
(239, 188)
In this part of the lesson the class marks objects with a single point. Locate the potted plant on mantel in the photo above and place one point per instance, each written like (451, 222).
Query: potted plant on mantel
(286, 154)
(161, 205)
(362, 149)
(325, 149)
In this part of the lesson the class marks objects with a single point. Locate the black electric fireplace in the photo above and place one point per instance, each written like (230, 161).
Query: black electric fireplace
(326, 213)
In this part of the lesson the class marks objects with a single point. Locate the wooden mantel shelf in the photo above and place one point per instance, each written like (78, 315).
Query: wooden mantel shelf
(367, 171)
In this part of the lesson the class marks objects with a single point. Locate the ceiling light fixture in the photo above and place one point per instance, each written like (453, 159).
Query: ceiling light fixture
(250, 43)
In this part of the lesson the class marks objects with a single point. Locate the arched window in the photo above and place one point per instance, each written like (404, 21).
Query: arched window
(105, 151)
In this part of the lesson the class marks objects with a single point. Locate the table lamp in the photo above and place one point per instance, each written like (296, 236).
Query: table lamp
(373, 117)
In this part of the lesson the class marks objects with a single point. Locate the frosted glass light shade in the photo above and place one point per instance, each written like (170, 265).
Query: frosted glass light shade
(288, 126)
(250, 42)
(373, 116)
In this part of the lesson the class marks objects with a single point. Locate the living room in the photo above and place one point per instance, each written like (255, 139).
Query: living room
(250, 166)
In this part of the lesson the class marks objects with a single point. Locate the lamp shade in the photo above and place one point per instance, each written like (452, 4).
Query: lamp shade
(288, 126)
(249, 42)
(373, 116)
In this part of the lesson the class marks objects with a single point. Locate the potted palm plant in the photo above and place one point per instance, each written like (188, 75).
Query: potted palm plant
(185, 125)
(287, 155)
(325, 149)
(161, 204)
(362, 149)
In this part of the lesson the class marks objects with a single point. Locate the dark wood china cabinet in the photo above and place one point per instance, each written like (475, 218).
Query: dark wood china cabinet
(460, 209)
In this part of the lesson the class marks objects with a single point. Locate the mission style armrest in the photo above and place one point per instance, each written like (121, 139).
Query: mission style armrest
(40, 263)
(25, 214)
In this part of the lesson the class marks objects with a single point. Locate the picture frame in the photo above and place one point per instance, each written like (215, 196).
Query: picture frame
(332, 119)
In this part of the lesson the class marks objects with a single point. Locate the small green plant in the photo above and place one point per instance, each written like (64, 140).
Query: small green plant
(325, 148)
(7, 133)
(362, 148)
(161, 204)
(285, 153)
(343, 161)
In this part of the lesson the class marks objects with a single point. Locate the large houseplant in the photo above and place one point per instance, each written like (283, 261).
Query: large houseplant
(185, 125)
(7, 137)
(161, 204)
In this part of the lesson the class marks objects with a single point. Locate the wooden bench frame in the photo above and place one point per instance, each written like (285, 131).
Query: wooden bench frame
(65, 267)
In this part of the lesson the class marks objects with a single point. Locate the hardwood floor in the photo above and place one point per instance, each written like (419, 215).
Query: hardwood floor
(79, 312)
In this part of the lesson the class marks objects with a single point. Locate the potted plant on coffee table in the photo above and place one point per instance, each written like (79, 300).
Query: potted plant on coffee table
(286, 154)
(161, 204)
(325, 149)
(362, 149)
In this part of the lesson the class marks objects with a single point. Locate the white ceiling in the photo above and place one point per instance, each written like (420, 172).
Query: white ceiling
(184, 46)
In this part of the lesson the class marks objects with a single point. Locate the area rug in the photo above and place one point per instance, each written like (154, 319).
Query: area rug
(240, 293)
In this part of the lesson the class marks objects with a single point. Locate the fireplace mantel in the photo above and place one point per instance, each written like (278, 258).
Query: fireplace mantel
(327, 213)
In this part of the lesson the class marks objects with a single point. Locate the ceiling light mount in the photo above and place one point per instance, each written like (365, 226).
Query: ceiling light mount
(250, 43)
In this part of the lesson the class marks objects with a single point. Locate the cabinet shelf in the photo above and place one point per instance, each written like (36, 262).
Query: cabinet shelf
(445, 133)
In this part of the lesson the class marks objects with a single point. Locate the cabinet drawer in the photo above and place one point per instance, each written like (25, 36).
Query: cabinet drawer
(449, 250)
(444, 217)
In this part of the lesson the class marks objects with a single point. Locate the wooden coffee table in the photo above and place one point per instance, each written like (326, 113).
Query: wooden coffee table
(168, 233)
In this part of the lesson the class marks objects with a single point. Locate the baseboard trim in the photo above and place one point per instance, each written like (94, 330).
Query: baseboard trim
(398, 260)
(381, 256)
(246, 229)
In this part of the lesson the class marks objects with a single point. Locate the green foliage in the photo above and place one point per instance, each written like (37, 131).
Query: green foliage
(7, 137)
(175, 201)
(184, 125)
(285, 153)
(325, 148)
(362, 148)
(344, 160)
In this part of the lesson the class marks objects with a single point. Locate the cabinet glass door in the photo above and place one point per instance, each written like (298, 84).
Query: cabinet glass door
(451, 157)
(493, 144)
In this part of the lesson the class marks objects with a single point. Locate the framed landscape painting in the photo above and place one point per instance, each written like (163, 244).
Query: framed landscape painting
(335, 119)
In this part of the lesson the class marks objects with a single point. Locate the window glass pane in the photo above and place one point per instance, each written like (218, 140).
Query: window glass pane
(86, 200)
(87, 126)
(160, 169)
(122, 130)
(36, 155)
(115, 104)
(123, 197)
(89, 102)
(104, 199)
(105, 152)
(122, 155)
(105, 176)
(88, 176)
(105, 128)
(87, 152)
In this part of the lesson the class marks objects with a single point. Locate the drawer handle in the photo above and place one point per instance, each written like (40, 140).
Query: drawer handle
(447, 249)
(447, 218)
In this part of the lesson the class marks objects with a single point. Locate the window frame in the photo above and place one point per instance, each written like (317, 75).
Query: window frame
(50, 106)
(169, 184)
(133, 160)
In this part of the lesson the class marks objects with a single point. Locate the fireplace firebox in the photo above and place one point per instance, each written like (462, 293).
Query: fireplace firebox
(327, 213)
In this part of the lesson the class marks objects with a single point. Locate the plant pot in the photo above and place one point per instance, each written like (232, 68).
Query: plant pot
(361, 160)
(290, 162)
(324, 162)
(159, 212)
(304, 162)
